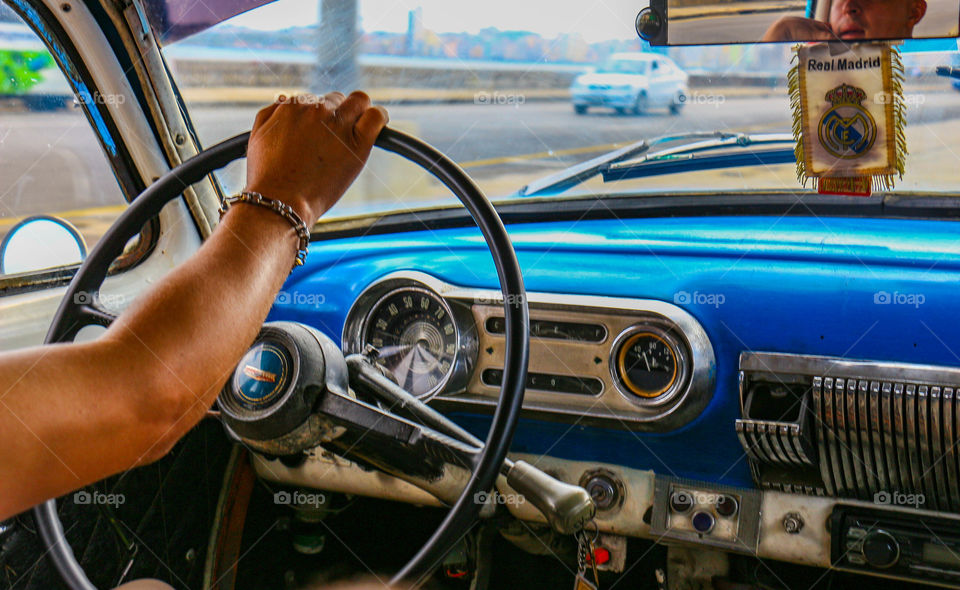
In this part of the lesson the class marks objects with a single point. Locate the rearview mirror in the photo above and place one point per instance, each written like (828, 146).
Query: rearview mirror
(40, 242)
(715, 22)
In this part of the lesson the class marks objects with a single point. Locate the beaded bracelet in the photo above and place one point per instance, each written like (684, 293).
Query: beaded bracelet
(282, 209)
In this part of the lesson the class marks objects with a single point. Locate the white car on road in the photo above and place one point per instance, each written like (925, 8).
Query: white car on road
(632, 82)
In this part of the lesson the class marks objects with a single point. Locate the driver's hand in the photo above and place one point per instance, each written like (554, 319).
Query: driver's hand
(306, 150)
(797, 28)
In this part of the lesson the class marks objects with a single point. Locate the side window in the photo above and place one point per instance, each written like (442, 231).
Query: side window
(50, 160)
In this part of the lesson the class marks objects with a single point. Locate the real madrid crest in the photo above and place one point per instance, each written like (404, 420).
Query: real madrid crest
(847, 130)
(848, 116)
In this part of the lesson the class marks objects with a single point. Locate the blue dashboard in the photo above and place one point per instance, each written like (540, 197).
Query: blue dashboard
(857, 288)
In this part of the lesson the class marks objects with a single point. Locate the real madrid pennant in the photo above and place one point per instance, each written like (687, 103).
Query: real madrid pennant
(848, 116)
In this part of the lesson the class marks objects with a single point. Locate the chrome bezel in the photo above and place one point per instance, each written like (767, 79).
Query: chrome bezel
(376, 307)
(370, 300)
(679, 351)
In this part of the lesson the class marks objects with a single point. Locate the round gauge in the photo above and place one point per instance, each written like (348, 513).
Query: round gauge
(416, 337)
(648, 363)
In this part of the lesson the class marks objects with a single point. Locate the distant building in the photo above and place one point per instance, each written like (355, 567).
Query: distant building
(414, 42)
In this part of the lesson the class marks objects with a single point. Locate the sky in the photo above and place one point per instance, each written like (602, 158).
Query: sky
(595, 20)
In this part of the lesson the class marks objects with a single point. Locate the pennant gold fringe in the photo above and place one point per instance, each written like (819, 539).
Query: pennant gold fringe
(880, 182)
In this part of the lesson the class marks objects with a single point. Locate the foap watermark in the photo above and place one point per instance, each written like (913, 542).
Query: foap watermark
(909, 99)
(95, 498)
(298, 99)
(709, 98)
(496, 497)
(301, 299)
(899, 499)
(101, 98)
(298, 498)
(898, 298)
(698, 298)
(500, 98)
(101, 300)
(512, 299)
(697, 498)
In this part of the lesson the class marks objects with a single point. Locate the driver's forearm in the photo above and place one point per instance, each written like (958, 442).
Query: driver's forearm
(195, 325)
(73, 414)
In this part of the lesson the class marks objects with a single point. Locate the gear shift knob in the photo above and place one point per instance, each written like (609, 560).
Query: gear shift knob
(567, 507)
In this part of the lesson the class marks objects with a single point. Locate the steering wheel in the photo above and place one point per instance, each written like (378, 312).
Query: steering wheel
(76, 312)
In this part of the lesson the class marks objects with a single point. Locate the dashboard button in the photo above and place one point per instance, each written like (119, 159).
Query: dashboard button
(681, 502)
(880, 549)
(703, 522)
(726, 505)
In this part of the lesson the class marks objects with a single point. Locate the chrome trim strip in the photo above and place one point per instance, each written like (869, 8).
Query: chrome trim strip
(820, 427)
(853, 434)
(760, 433)
(843, 444)
(923, 437)
(828, 421)
(903, 463)
(740, 427)
(949, 443)
(759, 444)
(803, 454)
(859, 389)
(783, 432)
(881, 434)
(781, 363)
(769, 431)
(913, 447)
(937, 455)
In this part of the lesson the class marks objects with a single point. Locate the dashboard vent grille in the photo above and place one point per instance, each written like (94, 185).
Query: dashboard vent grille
(875, 431)
(877, 438)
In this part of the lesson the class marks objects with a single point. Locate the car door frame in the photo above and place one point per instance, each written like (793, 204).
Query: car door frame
(104, 50)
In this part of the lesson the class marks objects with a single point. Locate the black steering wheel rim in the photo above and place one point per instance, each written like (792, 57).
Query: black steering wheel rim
(78, 309)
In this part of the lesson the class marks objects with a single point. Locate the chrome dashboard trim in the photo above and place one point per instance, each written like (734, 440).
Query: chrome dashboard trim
(561, 357)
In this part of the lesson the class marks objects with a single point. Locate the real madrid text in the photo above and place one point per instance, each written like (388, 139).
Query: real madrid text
(842, 64)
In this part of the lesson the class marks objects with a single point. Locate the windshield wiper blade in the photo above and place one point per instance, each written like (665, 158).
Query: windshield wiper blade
(584, 171)
(748, 150)
(615, 165)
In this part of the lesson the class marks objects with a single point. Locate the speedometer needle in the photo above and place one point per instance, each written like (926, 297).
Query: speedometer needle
(645, 360)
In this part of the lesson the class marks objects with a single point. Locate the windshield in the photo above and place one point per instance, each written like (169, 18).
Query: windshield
(516, 91)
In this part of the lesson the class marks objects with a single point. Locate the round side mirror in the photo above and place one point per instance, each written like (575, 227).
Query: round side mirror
(40, 242)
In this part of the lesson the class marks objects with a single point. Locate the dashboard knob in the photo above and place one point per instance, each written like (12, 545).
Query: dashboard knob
(880, 549)
(703, 522)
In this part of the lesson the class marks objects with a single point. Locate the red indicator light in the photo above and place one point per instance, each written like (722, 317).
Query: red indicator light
(602, 554)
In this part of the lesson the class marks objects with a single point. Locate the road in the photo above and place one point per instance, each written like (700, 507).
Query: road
(49, 162)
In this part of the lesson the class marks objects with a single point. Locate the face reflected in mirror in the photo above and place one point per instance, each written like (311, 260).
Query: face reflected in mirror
(851, 20)
(709, 22)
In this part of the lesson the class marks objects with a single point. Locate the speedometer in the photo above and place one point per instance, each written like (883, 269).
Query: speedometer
(416, 339)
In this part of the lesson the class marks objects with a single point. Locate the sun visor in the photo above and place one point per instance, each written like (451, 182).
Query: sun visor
(172, 20)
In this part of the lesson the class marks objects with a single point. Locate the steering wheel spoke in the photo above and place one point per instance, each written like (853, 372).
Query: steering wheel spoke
(95, 315)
